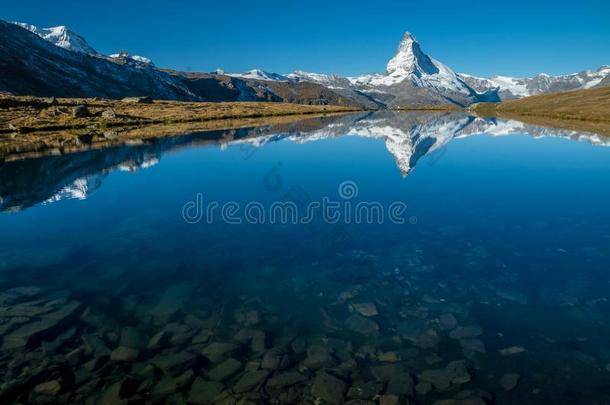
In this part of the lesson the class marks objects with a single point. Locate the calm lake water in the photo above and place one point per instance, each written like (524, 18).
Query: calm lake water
(470, 261)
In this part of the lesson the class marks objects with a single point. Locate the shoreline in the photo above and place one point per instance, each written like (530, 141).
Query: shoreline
(24, 115)
(578, 110)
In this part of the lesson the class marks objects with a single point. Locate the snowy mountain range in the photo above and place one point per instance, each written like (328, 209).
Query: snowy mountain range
(412, 78)
(511, 87)
(65, 38)
(410, 66)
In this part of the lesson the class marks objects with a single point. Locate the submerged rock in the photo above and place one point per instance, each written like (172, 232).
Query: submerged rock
(512, 350)
(176, 363)
(423, 388)
(328, 388)
(364, 390)
(251, 381)
(172, 301)
(400, 384)
(49, 388)
(463, 332)
(203, 392)
(389, 399)
(48, 325)
(509, 381)
(123, 353)
(217, 351)
(275, 359)
(318, 357)
(447, 321)
(442, 379)
(285, 379)
(367, 309)
(132, 338)
(225, 370)
(362, 325)
(514, 296)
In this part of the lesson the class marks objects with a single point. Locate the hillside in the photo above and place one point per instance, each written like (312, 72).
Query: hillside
(33, 66)
(587, 110)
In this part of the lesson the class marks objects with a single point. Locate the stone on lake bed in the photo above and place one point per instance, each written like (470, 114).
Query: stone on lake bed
(171, 301)
(131, 337)
(48, 324)
(203, 392)
(318, 357)
(514, 296)
(168, 385)
(462, 332)
(512, 350)
(385, 372)
(364, 390)
(285, 379)
(472, 346)
(49, 388)
(362, 325)
(423, 388)
(510, 381)
(275, 359)
(123, 353)
(389, 400)
(442, 379)
(251, 381)
(95, 345)
(447, 321)
(225, 370)
(217, 351)
(328, 388)
(367, 309)
(400, 384)
(175, 363)
(159, 339)
(460, 401)
(388, 357)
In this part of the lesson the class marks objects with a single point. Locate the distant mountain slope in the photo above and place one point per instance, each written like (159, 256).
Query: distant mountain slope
(61, 36)
(589, 104)
(510, 88)
(58, 62)
(33, 65)
(412, 79)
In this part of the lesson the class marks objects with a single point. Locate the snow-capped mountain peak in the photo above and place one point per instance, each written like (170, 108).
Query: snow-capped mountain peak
(61, 36)
(410, 59)
(257, 74)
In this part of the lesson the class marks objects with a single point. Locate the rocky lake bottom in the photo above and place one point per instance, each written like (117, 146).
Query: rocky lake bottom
(495, 290)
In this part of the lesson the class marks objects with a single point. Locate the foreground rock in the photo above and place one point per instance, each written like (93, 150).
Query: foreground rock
(328, 388)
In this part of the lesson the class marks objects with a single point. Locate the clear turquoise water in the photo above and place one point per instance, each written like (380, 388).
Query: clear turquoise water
(509, 233)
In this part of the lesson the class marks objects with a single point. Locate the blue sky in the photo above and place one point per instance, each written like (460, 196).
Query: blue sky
(516, 38)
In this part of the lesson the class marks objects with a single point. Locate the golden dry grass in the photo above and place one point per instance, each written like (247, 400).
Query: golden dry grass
(29, 114)
(579, 110)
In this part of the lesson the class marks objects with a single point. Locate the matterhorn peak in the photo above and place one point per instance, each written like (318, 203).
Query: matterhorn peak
(410, 59)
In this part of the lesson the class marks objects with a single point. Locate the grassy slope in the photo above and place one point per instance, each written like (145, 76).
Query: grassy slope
(28, 114)
(580, 110)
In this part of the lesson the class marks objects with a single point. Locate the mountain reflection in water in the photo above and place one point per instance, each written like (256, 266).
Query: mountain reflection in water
(408, 136)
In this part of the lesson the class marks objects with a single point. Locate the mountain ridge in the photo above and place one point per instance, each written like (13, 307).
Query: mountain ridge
(73, 68)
